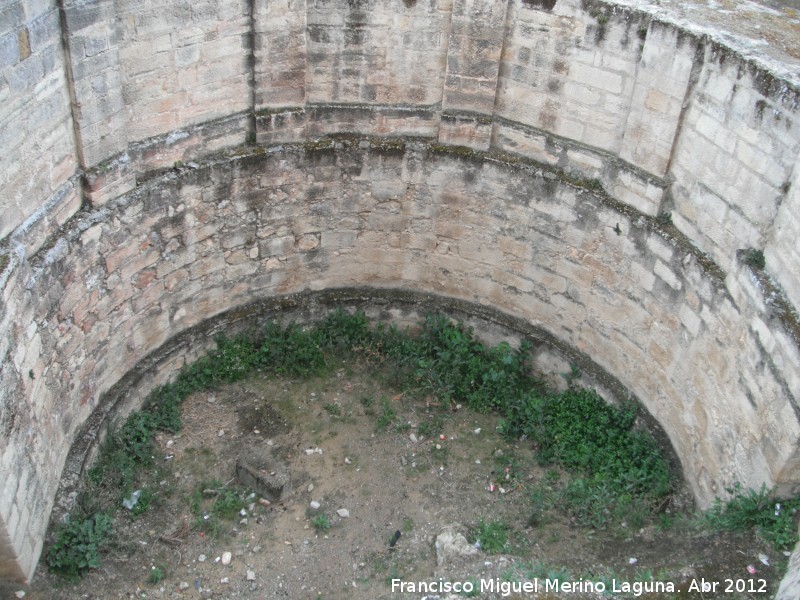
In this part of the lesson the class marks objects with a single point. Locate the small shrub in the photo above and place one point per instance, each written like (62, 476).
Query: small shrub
(493, 536)
(388, 414)
(228, 504)
(77, 546)
(157, 575)
(754, 258)
(664, 218)
(333, 409)
(321, 522)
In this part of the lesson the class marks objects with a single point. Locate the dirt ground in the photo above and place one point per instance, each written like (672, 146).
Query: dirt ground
(395, 464)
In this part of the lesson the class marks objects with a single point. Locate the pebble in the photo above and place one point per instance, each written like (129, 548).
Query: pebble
(413, 438)
(224, 580)
(201, 558)
(346, 461)
(221, 433)
(477, 431)
(226, 558)
(310, 487)
(184, 585)
(251, 575)
(170, 443)
(343, 512)
(264, 502)
(314, 505)
(20, 594)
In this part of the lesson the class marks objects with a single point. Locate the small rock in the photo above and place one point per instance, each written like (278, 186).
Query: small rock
(310, 487)
(438, 446)
(314, 505)
(251, 575)
(201, 558)
(226, 558)
(264, 502)
(403, 461)
(221, 433)
(20, 593)
(170, 443)
(413, 438)
(212, 399)
(451, 544)
(347, 461)
(477, 431)
(224, 580)
(343, 512)
(184, 585)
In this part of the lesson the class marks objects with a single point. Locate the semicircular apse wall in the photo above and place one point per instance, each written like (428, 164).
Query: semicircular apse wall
(603, 178)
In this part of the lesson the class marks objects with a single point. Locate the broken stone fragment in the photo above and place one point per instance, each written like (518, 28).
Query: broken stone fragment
(264, 475)
(451, 545)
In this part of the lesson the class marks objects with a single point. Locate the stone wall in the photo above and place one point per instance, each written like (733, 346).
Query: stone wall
(521, 155)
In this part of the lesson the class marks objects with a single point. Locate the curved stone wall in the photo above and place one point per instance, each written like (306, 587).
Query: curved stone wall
(521, 155)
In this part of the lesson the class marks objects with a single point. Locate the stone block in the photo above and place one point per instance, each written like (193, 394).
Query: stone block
(257, 470)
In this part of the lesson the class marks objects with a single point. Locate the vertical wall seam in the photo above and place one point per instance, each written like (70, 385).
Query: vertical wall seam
(691, 84)
(508, 21)
(251, 64)
(448, 31)
(73, 98)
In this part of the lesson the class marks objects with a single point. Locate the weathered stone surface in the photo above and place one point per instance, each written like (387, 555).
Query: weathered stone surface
(267, 477)
(451, 545)
(133, 121)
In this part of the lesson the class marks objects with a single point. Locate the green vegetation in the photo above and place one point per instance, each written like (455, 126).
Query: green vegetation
(157, 575)
(771, 517)
(493, 536)
(388, 414)
(754, 258)
(332, 409)
(214, 503)
(321, 522)
(77, 546)
(664, 218)
(603, 468)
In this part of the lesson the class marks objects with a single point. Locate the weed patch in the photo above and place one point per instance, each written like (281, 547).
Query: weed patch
(78, 544)
(492, 536)
(772, 518)
(619, 467)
